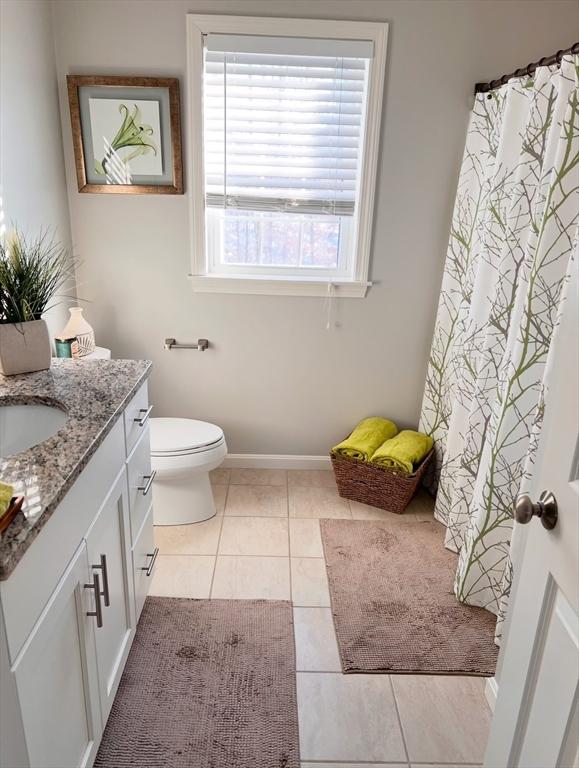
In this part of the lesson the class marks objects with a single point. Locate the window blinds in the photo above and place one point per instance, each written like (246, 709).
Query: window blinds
(283, 131)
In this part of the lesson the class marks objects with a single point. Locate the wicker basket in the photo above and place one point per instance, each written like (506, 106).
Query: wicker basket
(377, 486)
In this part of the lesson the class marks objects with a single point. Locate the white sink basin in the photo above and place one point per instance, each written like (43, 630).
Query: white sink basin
(22, 426)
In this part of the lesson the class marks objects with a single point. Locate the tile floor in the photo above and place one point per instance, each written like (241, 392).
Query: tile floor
(265, 543)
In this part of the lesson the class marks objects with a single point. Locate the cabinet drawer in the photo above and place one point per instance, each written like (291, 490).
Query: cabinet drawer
(140, 484)
(144, 556)
(136, 417)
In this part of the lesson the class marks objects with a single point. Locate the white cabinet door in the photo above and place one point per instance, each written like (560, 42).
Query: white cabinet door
(56, 676)
(109, 555)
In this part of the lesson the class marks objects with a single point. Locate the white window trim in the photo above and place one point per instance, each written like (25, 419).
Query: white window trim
(203, 24)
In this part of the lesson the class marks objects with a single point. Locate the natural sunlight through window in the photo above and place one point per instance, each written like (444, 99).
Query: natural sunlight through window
(288, 151)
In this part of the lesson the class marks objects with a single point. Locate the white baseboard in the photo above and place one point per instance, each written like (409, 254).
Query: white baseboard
(491, 691)
(275, 461)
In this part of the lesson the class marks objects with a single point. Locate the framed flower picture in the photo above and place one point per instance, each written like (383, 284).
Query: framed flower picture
(126, 133)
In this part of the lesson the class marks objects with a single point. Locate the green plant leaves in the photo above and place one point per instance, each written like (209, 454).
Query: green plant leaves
(32, 272)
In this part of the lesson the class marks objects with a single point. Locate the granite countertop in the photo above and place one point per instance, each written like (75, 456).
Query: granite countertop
(92, 393)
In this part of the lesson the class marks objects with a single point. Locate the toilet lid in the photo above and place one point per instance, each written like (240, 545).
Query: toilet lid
(182, 435)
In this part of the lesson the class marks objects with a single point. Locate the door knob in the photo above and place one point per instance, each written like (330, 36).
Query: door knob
(545, 509)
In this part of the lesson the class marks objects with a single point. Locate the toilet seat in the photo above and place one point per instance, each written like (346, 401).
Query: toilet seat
(183, 437)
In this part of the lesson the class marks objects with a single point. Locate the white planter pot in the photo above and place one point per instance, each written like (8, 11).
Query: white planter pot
(78, 326)
(24, 347)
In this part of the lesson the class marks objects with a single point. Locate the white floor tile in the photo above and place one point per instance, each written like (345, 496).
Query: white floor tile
(183, 576)
(445, 719)
(442, 765)
(254, 536)
(195, 539)
(257, 501)
(420, 509)
(361, 765)
(422, 505)
(366, 512)
(309, 582)
(316, 646)
(305, 538)
(317, 502)
(311, 478)
(258, 477)
(219, 495)
(348, 718)
(219, 476)
(251, 578)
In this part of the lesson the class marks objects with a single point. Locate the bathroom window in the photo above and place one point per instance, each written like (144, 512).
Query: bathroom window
(284, 145)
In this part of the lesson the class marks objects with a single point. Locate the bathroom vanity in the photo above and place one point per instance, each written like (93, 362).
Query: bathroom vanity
(77, 562)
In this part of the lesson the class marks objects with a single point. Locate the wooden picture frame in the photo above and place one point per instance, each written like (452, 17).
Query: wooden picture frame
(149, 153)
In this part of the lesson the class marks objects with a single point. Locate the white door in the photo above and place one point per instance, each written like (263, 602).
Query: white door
(56, 676)
(109, 555)
(536, 718)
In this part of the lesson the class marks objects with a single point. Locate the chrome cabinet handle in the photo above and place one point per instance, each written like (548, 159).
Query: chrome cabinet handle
(98, 611)
(142, 420)
(147, 487)
(153, 555)
(102, 567)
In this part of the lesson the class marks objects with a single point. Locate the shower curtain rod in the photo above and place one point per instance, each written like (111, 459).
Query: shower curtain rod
(528, 70)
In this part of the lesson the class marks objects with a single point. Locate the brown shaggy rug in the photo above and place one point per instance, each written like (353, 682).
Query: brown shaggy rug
(208, 684)
(391, 589)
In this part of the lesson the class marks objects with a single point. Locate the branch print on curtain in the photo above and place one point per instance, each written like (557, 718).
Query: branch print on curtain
(512, 239)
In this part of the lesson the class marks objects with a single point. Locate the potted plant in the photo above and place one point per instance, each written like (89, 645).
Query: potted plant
(31, 274)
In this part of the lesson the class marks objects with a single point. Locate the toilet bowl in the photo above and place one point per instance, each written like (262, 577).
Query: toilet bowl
(183, 452)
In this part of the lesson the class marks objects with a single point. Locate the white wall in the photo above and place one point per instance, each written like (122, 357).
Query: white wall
(275, 379)
(31, 158)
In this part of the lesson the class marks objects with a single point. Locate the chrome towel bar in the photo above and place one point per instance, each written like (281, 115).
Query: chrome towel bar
(202, 345)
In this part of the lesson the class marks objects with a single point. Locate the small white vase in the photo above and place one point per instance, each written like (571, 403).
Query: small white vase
(78, 326)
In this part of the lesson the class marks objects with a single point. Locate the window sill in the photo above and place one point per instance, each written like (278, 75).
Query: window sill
(279, 286)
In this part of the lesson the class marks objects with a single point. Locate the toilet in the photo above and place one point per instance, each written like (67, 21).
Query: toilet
(183, 452)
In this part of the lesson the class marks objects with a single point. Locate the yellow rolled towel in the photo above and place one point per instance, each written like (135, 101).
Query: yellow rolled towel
(368, 435)
(6, 494)
(404, 451)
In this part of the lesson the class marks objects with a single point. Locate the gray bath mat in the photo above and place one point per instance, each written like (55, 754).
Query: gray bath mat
(208, 684)
(391, 589)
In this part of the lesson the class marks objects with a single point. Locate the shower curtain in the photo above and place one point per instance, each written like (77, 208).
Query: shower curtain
(513, 236)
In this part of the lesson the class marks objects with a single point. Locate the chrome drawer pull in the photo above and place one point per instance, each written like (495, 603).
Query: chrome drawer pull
(147, 487)
(102, 567)
(142, 420)
(149, 568)
(98, 611)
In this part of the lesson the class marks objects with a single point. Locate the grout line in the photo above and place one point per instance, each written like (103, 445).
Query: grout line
(323, 763)
(399, 719)
(186, 554)
(289, 562)
(218, 542)
(319, 672)
(294, 517)
(239, 554)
